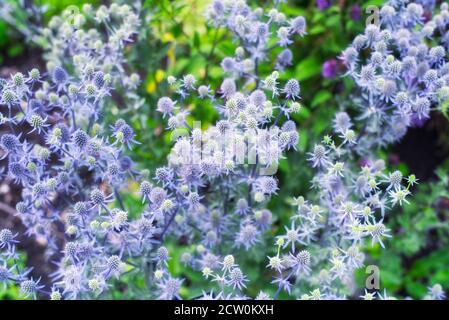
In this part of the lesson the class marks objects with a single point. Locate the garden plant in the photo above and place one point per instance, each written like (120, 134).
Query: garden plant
(218, 149)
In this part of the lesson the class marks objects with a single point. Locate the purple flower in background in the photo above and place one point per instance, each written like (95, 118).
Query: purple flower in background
(365, 162)
(330, 68)
(323, 4)
(355, 12)
(418, 122)
(427, 16)
(394, 159)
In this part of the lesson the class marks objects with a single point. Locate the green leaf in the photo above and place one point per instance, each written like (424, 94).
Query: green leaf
(15, 50)
(303, 141)
(428, 218)
(321, 97)
(317, 29)
(196, 39)
(283, 166)
(428, 268)
(333, 21)
(445, 108)
(308, 67)
(408, 244)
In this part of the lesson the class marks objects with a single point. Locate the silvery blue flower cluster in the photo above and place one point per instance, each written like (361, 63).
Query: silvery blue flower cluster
(213, 192)
(322, 247)
(70, 167)
(89, 39)
(400, 70)
(12, 272)
(219, 180)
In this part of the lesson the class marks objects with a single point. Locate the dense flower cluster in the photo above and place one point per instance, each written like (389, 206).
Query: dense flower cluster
(72, 175)
(254, 28)
(10, 271)
(213, 192)
(95, 39)
(70, 168)
(400, 70)
(218, 181)
(323, 244)
(29, 20)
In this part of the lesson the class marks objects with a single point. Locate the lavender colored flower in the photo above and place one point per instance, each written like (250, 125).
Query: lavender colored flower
(398, 87)
(323, 4)
(355, 12)
(330, 68)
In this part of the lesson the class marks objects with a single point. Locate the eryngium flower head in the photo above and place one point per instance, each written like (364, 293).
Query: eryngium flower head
(292, 89)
